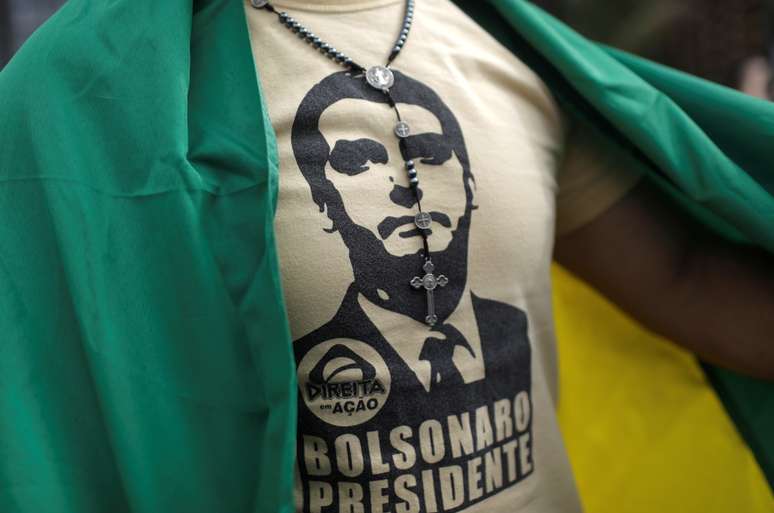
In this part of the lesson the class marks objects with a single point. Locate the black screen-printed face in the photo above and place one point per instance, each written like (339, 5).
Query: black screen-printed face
(344, 145)
(366, 167)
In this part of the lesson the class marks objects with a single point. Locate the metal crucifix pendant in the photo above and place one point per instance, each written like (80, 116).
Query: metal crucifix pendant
(429, 281)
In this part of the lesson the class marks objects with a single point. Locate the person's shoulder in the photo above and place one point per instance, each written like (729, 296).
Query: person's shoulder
(30, 90)
(40, 79)
(491, 65)
(461, 29)
(95, 98)
(22, 78)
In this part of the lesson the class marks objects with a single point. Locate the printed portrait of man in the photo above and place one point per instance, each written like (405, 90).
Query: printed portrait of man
(376, 366)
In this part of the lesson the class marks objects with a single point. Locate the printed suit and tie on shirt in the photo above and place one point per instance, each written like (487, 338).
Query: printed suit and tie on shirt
(434, 426)
(393, 415)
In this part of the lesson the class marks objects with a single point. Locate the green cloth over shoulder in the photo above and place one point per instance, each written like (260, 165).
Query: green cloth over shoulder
(145, 359)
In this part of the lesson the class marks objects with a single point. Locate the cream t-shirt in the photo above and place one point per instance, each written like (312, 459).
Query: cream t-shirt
(396, 416)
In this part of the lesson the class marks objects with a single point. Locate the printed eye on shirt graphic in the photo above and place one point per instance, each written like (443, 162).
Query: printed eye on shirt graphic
(394, 415)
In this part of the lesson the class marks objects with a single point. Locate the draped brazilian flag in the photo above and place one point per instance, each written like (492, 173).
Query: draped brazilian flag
(645, 427)
(648, 427)
(145, 357)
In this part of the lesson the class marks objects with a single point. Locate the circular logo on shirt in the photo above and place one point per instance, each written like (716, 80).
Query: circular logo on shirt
(343, 381)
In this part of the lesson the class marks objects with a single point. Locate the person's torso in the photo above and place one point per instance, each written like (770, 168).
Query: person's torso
(395, 415)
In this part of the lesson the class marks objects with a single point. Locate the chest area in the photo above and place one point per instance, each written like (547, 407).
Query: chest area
(484, 142)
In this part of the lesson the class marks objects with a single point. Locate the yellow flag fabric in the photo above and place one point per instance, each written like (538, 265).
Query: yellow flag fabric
(644, 429)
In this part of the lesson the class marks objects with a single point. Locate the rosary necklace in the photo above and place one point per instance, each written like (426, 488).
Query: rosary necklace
(381, 78)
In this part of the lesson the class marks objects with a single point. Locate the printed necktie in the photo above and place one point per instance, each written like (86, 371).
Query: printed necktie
(439, 352)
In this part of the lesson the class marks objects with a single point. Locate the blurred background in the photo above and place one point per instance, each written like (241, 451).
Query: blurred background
(726, 41)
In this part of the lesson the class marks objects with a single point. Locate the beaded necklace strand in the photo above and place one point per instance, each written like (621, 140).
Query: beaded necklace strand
(381, 78)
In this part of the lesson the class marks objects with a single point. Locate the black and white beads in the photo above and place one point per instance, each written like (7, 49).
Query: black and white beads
(309, 37)
(329, 51)
(381, 78)
(412, 173)
(404, 31)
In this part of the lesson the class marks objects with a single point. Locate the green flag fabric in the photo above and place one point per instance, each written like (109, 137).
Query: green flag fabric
(704, 143)
(145, 359)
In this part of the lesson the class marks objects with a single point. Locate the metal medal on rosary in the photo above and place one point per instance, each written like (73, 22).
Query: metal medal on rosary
(429, 282)
(381, 78)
